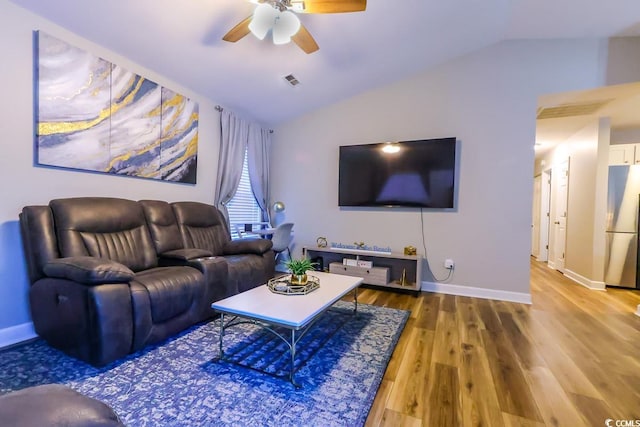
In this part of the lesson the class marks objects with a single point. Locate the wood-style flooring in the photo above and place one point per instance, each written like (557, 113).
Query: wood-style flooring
(572, 358)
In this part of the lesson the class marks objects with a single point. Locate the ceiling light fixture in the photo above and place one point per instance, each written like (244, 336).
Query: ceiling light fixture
(282, 23)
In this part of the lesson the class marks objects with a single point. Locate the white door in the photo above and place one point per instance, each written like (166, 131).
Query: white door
(545, 215)
(560, 188)
(535, 217)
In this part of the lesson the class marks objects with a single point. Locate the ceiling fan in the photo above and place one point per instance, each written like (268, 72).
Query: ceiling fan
(279, 17)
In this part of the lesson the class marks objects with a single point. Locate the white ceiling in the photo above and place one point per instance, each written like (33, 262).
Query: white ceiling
(358, 51)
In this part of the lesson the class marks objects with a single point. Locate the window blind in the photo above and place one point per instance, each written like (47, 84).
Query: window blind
(243, 207)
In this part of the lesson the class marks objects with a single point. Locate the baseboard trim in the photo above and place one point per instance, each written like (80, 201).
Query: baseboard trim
(15, 334)
(468, 291)
(587, 283)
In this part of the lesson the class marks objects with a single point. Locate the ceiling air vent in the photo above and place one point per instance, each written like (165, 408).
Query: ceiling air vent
(571, 110)
(292, 80)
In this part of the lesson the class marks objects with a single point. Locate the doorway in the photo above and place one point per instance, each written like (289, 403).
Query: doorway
(558, 213)
(544, 216)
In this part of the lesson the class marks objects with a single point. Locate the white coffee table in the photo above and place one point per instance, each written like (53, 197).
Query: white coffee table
(294, 312)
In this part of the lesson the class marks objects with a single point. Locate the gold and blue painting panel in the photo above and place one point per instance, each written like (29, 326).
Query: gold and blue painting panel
(179, 140)
(135, 125)
(73, 111)
(97, 116)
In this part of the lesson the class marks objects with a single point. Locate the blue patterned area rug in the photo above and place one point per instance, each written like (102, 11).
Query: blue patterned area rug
(340, 362)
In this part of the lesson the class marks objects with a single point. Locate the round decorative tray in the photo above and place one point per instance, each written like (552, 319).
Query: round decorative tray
(283, 285)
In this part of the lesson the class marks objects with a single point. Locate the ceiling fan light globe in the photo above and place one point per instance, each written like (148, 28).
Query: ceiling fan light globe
(263, 19)
(280, 39)
(286, 25)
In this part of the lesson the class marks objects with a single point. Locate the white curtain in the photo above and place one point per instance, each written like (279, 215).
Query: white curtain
(237, 136)
(258, 151)
(234, 134)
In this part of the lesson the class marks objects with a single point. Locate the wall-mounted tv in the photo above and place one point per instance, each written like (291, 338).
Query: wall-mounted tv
(409, 173)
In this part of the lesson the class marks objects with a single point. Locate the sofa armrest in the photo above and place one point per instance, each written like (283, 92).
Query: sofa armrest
(247, 246)
(186, 254)
(88, 270)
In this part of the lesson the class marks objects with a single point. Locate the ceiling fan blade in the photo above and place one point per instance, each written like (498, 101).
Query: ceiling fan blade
(304, 40)
(328, 6)
(239, 31)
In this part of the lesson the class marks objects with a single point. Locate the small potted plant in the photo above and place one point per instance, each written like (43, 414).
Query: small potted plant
(298, 268)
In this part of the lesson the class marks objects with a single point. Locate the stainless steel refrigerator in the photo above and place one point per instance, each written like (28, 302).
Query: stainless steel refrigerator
(623, 205)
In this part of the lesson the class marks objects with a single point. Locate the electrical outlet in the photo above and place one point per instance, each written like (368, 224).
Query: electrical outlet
(449, 264)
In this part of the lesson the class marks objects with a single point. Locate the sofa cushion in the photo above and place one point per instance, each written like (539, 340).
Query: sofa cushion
(171, 290)
(88, 270)
(186, 254)
(106, 228)
(202, 226)
(162, 225)
(247, 246)
(247, 271)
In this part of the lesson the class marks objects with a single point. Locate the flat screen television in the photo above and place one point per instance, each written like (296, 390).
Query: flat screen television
(409, 173)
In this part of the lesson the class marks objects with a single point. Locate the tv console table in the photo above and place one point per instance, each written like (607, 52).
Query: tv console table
(404, 271)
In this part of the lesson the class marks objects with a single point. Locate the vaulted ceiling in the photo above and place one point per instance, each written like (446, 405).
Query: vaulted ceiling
(391, 40)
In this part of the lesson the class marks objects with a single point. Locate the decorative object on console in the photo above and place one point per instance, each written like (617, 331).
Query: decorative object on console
(321, 242)
(410, 250)
(403, 279)
(361, 246)
(96, 116)
(350, 261)
(357, 262)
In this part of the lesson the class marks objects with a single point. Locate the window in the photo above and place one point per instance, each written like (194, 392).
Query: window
(243, 207)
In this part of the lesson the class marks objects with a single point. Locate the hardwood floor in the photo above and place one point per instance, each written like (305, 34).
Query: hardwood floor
(572, 358)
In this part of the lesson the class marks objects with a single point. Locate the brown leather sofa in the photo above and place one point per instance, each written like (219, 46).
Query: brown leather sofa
(110, 276)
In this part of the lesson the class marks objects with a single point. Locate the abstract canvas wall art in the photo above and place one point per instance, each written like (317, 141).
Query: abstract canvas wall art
(97, 116)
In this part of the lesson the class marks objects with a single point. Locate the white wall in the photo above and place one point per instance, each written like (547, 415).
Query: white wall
(600, 197)
(24, 184)
(488, 101)
(583, 149)
(625, 136)
(624, 62)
